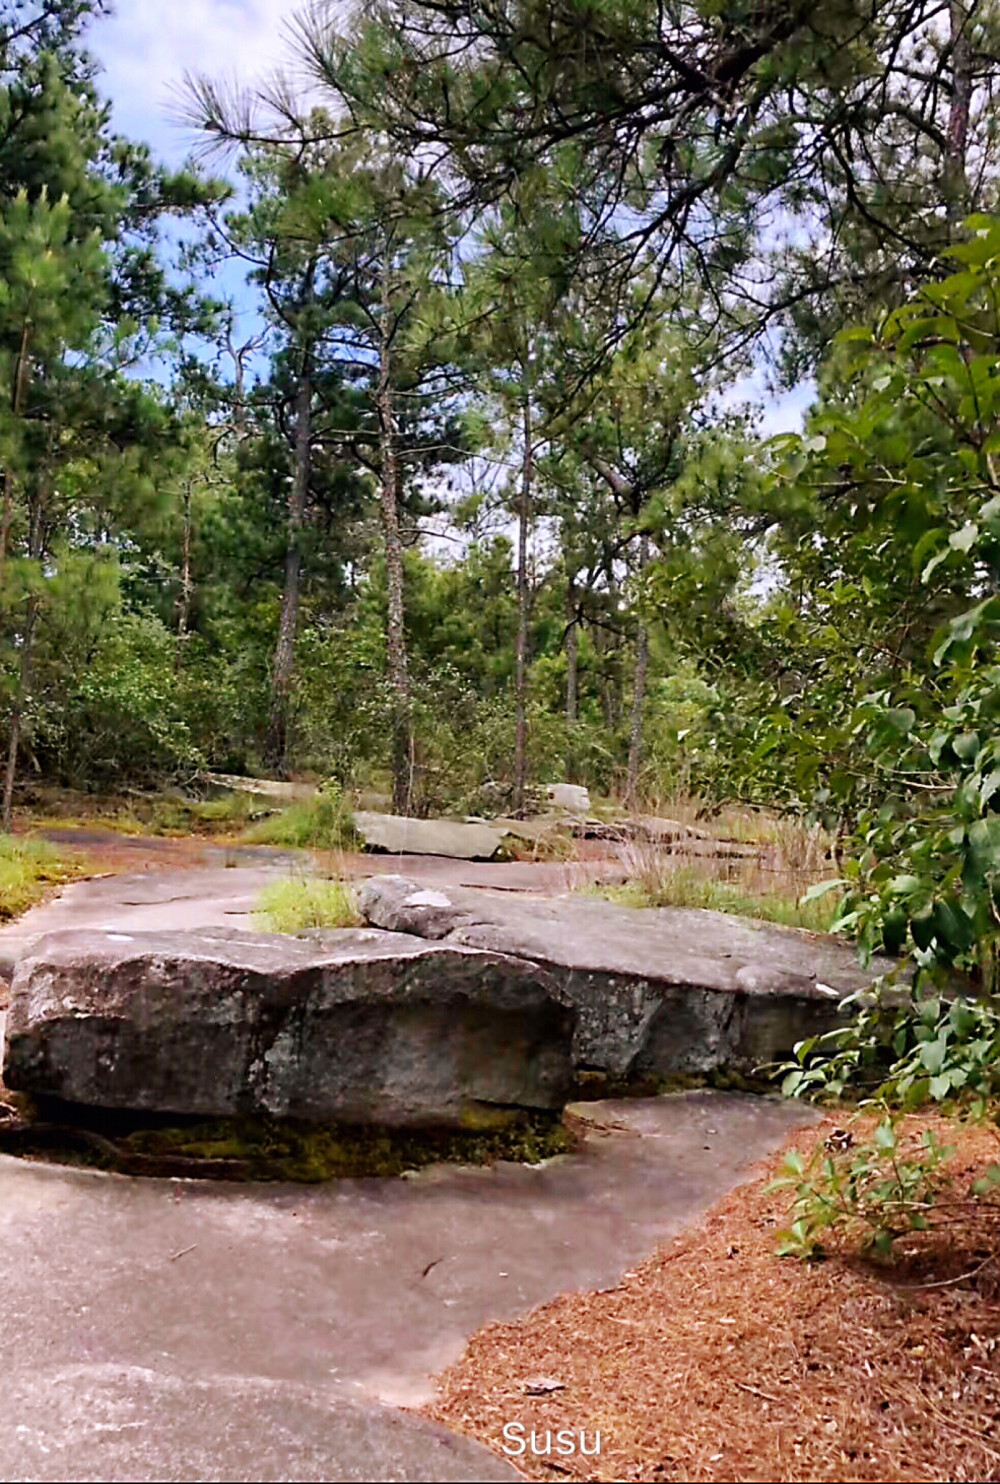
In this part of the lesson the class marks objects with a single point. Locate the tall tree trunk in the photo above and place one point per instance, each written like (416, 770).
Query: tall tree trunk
(523, 601)
(572, 674)
(284, 654)
(16, 713)
(956, 184)
(187, 587)
(16, 407)
(638, 692)
(35, 550)
(395, 633)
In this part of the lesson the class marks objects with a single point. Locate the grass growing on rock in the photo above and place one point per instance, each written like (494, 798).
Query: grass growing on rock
(323, 822)
(27, 868)
(306, 902)
(656, 879)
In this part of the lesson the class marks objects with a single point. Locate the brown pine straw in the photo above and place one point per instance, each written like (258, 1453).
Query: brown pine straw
(717, 1360)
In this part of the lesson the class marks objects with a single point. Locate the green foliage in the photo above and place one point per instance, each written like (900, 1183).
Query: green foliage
(905, 1051)
(309, 902)
(875, 1190)
(323, 822)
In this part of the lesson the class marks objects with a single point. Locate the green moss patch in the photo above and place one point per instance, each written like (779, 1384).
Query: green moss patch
(270, 1149)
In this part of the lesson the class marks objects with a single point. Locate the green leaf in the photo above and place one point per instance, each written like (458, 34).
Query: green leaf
(932, 1055)
(885, 1137)
(964, 539)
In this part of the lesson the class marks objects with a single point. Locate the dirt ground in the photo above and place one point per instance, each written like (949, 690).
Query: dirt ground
(717, 1360)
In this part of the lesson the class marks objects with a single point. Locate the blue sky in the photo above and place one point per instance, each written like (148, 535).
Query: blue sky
(146, 48)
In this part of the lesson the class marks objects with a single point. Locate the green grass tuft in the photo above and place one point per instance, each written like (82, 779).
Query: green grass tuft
(27, 867)
(306, 902)
(684, 886)
(323, 822)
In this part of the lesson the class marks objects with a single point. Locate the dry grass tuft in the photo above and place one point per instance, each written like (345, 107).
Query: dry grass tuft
(659, 877)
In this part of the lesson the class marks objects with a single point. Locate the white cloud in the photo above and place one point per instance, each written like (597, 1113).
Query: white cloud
(146, 48)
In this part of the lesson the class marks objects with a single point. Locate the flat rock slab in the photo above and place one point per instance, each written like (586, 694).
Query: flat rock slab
(367, 1027)
(658, 992)
(165, 1329)
(398, 834)
(224, 896)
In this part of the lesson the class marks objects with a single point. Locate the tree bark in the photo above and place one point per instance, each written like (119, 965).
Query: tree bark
(638, 692)
(572, 654)
(572, 675)
(284, 654)
(395, 635)
(956, 184)
(16, 713)
(16, 406)
(523, 600)
(36, 546)
(187, 587)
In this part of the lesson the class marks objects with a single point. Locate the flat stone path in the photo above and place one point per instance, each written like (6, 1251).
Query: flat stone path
(158, 1329)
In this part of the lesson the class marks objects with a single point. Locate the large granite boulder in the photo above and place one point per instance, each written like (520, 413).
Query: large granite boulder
(399, 835)
(657, 992)
(362, 1026)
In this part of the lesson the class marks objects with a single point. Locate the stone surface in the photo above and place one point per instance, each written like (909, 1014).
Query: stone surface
(266, 788)
(366, 1026)
(224, 896)
(673, 990)
(166, 1329)
(398, 834)
(568, 796)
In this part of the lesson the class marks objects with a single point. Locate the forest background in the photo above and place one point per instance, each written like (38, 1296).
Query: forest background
(402, 439)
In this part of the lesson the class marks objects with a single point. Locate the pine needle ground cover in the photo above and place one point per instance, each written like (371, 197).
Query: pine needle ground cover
(717, 1360)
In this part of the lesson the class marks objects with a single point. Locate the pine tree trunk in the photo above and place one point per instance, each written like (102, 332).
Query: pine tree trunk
(398, 667)
(572, 676)
(35, 551)
(956, 184)
(16, 406)
(638, 693)
(284, 654)
(523, 602)
(187, 587)
(17, 711)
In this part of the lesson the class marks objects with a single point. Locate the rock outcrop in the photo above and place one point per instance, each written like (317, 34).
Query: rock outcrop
(361, 1026)
(399, 835)
(657, 992)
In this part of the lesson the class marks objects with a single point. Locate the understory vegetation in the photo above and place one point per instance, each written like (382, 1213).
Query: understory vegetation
(27, 869)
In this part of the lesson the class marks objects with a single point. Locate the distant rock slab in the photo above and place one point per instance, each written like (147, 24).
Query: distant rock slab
(571, 796)
(399, 835)
(267, 788)
(360, 1026)
(657, 992)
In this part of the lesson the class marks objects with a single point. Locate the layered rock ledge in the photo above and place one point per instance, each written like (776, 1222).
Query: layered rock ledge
(362, 1026)
(657, 992)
